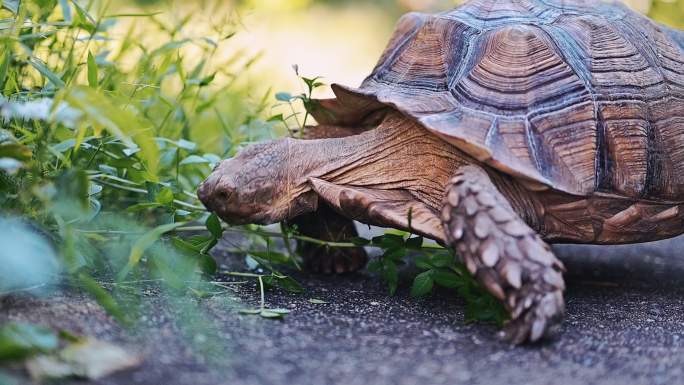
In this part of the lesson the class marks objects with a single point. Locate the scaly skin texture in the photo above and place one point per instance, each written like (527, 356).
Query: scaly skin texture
(271, 182)
(504, 254)
(327, 225)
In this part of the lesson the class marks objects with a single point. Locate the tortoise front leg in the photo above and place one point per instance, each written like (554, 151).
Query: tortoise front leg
(504, 254)
(325, 224)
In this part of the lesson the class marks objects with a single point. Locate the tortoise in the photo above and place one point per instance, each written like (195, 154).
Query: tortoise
(499, 127)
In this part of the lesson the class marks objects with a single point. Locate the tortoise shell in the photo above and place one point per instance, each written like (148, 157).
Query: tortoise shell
(582, 96)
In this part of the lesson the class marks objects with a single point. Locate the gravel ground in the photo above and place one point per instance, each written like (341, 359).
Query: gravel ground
(625, 325)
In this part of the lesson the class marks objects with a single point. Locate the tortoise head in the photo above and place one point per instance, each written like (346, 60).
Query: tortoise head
(263, 184)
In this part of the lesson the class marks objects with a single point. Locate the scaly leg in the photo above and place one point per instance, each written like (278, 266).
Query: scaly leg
(504, 254)
(325, 224)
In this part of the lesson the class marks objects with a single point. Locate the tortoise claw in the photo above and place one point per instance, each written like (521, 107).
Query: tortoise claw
(541, 320)
(505, 255)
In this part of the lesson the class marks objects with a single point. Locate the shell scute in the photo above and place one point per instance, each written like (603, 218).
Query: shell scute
(581, 96)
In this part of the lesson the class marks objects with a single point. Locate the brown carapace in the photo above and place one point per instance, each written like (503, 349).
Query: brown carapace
(500, 125)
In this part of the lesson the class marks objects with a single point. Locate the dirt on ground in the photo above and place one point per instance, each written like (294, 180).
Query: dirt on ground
(624, 325)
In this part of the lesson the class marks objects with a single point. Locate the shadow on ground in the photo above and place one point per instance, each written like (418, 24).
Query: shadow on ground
(625, 324)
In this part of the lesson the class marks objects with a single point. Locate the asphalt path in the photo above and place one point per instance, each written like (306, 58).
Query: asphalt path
(624, 325)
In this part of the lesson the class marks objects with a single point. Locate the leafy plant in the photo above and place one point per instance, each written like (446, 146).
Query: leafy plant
(98, 146)
(21, 340)
(438, 267)
(307, 102)
(103, 140)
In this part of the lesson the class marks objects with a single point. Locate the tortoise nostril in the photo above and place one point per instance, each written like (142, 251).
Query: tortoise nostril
(223, 193)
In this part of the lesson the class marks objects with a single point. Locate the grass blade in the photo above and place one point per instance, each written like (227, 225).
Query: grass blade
(92, 71)
(4, 66)
(127, 127)
(143, 243)
(66, 10)
(45, 71)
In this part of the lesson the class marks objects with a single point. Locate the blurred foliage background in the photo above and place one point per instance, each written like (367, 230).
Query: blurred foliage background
(341, 40)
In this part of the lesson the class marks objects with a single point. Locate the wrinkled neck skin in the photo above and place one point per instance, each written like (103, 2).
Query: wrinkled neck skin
(398, 154)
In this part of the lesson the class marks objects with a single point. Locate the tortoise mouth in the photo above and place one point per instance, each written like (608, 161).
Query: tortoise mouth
(216, 192)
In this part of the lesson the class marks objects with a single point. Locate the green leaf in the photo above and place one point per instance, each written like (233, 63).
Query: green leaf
(164, 196)
(28, 258)
(10, 166)
(213, 224)
(423, 262)
(194, 159)
(186, 144)
(375, 266)
(395, 253)
(15, 151)
(272, 257)
(283, 96)
(391, 276)
(12, 5)
(73, 186)
(45, 71)
(447, 279)
(143, 243)
(92, 71)
(389, 241)
(99, 109)
(266, 313)
(170, 46)
(180, 143)
(317, 301)
(274, 118)
(252, 264)
(313, 83)
(422, 284)
(143, 206)
(208, 265)
(4, 65)
(249, 311)
(21, 340)
(443, 259)
(66, 10)
(414, 243)
(270, 314)
(287, 283)
(83, 13)
(207, 80)
(132, 14)
(279, 311)
(187, 245)
(360, 241)
(210, 245)
(87, 358)
(102, 297)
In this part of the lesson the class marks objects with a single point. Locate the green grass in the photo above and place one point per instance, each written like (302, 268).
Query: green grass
(104, 140)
